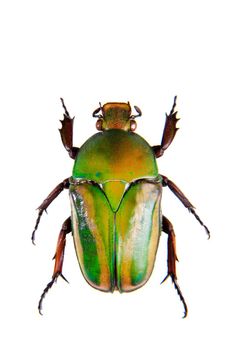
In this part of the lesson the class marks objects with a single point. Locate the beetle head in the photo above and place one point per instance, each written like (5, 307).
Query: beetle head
(116, 115)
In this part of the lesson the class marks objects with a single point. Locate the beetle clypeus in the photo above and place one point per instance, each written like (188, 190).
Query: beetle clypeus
(115, 193)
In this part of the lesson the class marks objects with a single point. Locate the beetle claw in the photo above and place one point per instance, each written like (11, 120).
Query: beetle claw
(33, 238)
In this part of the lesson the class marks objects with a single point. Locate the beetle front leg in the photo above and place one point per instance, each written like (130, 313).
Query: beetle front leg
(172, 258)
(55, 192)
(169, 132)
(179, 194)
(59, 257)
(66, 132)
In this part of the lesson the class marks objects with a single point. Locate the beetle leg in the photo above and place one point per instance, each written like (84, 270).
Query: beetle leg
(66, 132)
(55, 192)
(169, 132)
(179, 194)
(59, 257)
(172, 258)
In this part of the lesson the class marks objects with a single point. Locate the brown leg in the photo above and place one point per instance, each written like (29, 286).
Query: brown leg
(66, 132)
(172, 258)
(169, 132)
(59, 257)
(55, 192)
(179, 194)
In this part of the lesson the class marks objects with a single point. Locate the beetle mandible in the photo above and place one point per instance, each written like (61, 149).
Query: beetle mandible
(115, 194)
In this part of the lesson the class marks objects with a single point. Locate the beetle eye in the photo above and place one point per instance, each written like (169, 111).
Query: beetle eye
(133, 125)
(99, 124)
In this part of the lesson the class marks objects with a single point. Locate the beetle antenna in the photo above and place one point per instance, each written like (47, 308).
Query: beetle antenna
(139, 113)
(96, 112)
(101, 108)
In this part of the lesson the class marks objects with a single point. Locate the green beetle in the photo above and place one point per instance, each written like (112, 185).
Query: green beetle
(115, 193)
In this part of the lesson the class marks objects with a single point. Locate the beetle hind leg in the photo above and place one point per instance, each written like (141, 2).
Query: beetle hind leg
(59, 257)
(167, 227)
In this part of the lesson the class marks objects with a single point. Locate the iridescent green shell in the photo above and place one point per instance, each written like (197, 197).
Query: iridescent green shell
(116, 215)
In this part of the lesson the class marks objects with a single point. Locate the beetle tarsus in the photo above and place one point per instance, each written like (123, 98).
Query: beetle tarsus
(36, 226)
(177, 287)
(200, 221)
(45, 291)
(49, 286)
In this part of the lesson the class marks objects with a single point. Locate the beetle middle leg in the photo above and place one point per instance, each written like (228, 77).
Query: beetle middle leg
(55, 192)
(167, 227)
(59, 257)
(179, 194)
(169, 132)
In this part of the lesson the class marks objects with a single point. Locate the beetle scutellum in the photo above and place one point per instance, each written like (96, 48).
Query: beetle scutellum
(115, 193)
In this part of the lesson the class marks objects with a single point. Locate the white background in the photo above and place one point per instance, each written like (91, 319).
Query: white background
(144, 52)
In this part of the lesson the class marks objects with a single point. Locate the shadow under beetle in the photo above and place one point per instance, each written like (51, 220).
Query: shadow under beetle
(115, 193)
